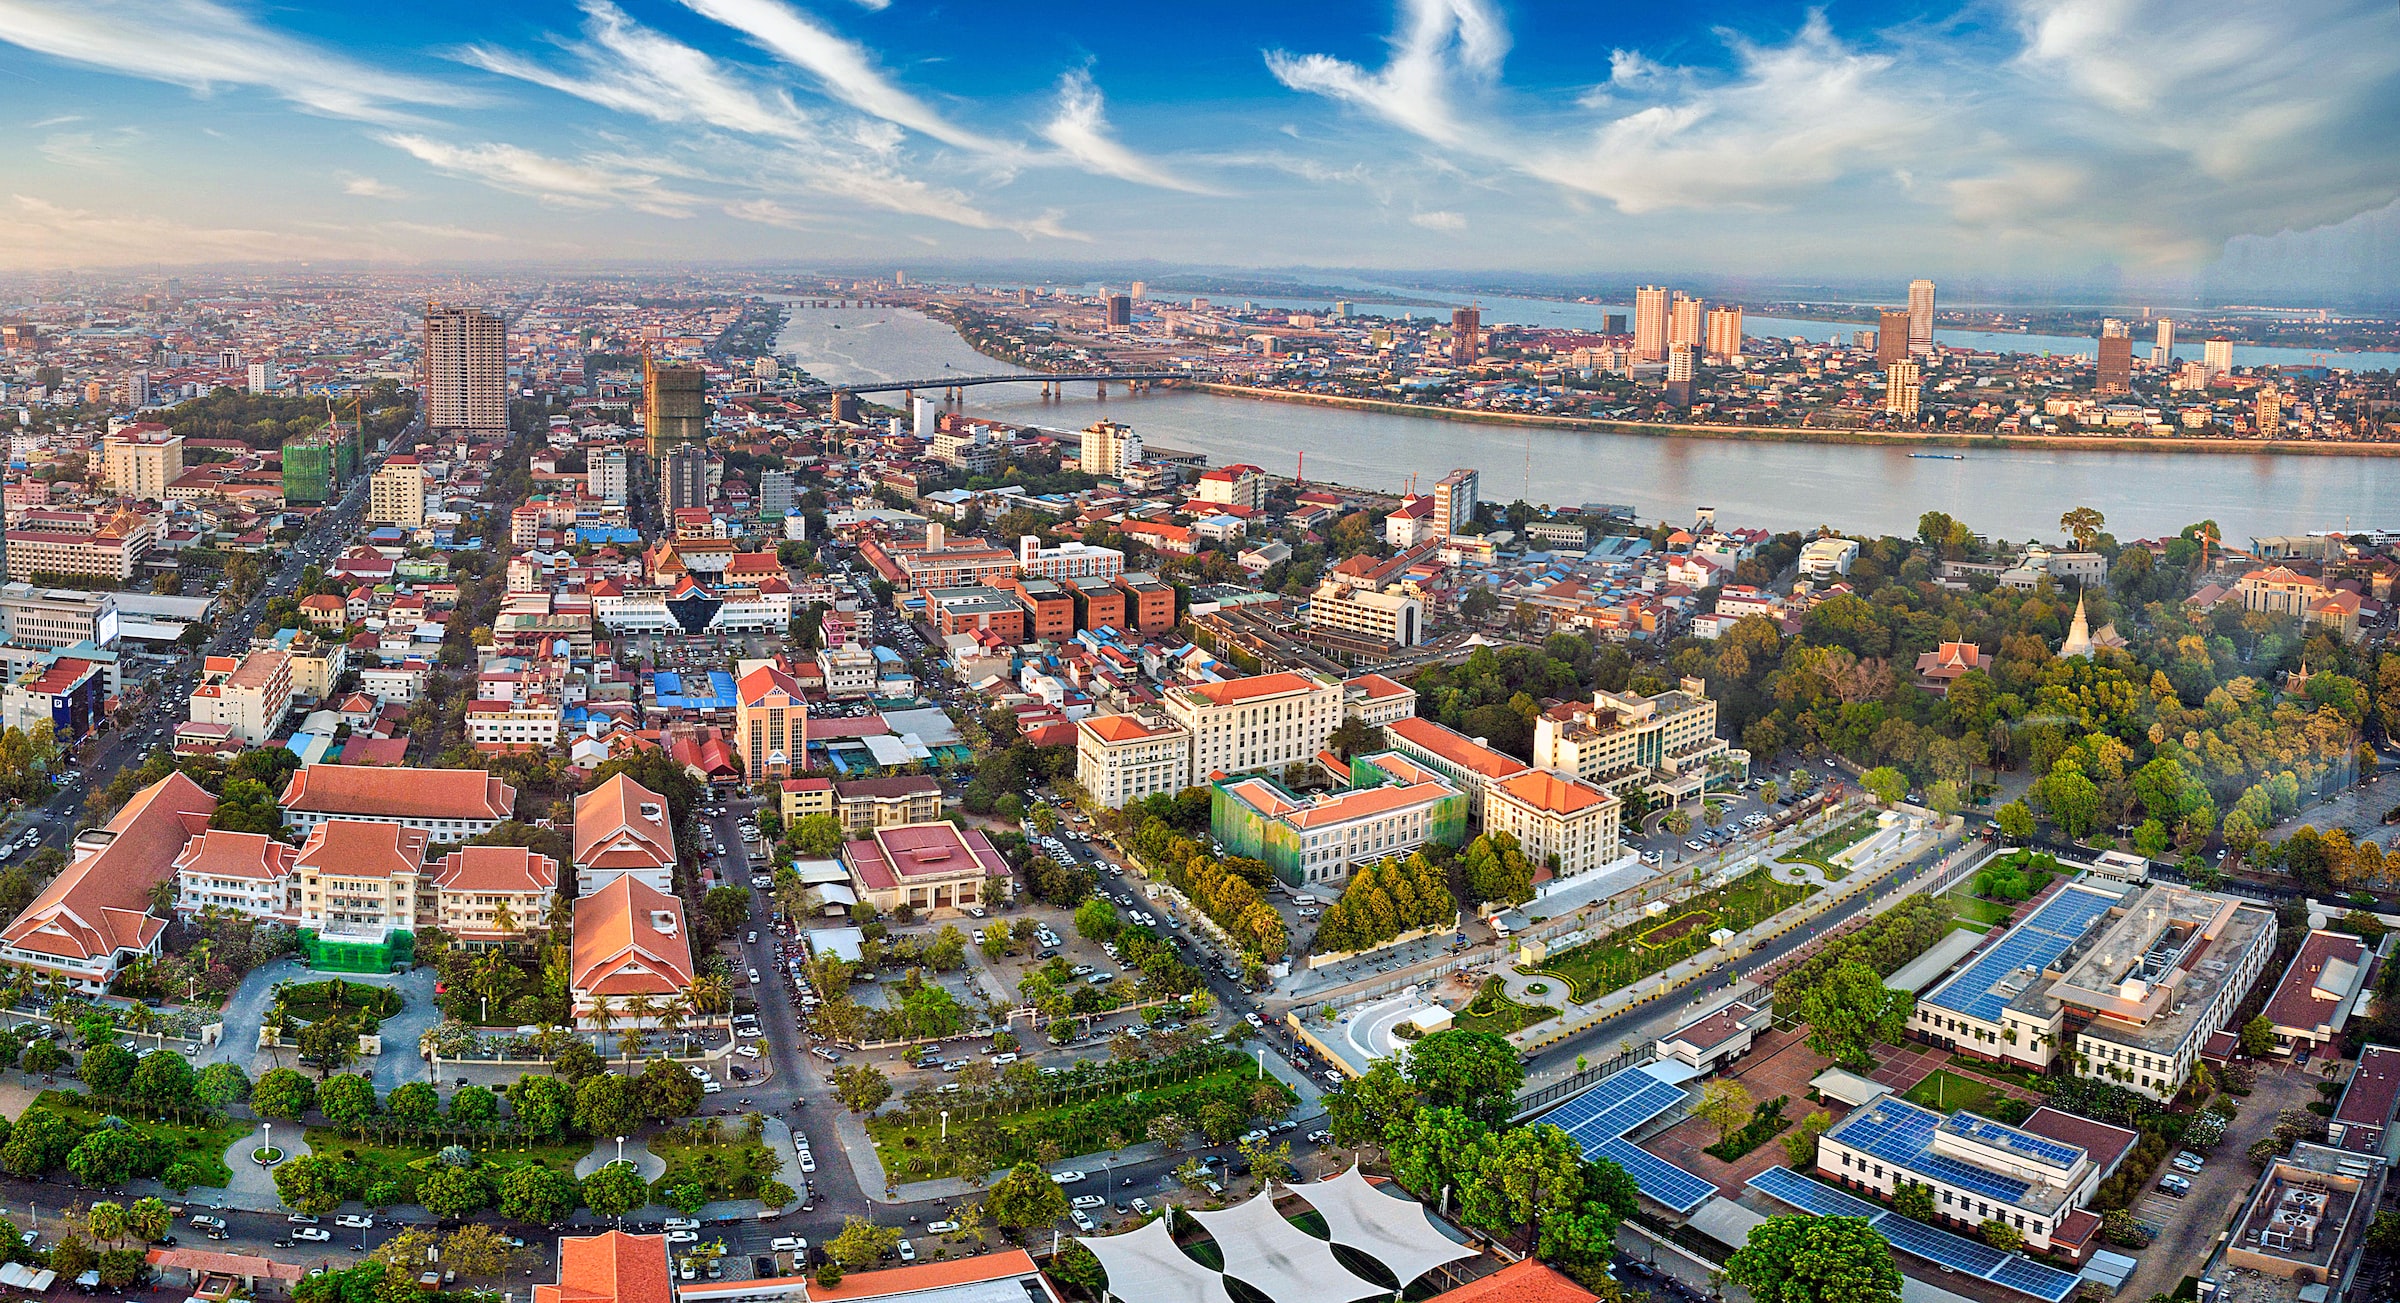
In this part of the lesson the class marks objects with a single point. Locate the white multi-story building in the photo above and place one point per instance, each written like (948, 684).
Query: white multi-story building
(396, 494)
(607, 475)
(1455, 497)
(1374, 700)
(80, 543)
(849, 671)
(513, 725)
(243, 873)
(1108, 448)
(1120, 759)
(2034, 1178)
(56, 617)
(362, 881)
(1394, 615)
(1666, 744)
(1263, 722)
(1072, 560)
(141, 461)
(449, 805)
(249, 695)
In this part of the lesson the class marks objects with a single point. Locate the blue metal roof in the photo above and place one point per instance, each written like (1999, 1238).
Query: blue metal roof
(2033, 944)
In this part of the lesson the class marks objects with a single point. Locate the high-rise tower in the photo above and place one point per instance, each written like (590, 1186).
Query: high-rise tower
(466, 370)
(1920, 316)
(674, 406)
(1650, 324)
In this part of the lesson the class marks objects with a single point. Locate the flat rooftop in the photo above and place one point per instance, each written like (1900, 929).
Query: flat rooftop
(2150, 975)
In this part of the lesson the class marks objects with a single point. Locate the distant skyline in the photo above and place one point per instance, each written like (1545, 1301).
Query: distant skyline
(2221, 147)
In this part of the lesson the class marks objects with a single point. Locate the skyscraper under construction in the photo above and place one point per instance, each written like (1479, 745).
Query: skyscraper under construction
(674, 406)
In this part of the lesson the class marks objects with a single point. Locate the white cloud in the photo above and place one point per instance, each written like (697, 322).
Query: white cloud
(1080, 131)
(102, 151)
(59, 121)
(624, 66)
(843, 68)
(443, 232)
(367, 187)
(1447, 222)
(1438, 41)
(201, 45)
(591, 183)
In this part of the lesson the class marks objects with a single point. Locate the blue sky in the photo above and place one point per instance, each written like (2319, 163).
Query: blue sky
(2046, 139)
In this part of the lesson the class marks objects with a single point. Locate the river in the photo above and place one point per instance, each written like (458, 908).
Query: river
(2010, 493)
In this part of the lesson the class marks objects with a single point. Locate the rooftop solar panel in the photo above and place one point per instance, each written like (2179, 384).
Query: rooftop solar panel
(1599, 1118)
(1661, 1180)
(1933, 1244)
(2034, 943)
(1977, 1127)
(1901, 1133)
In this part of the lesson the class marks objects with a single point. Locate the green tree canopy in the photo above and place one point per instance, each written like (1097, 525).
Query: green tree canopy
(1807, 1259)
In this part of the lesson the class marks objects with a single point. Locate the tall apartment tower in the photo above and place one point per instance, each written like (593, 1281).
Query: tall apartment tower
(1687, 319)
(1724, 332)
(2162, 353)
(1891, 337)
(674, 406)
(1650, 324)
(466, 370)
(1920, 316)
(1108, 448)
(1466, 335)
(1455, 496)
(1120, 311)
(2217, 356)
(1903, 388)
(2116, 357)
(2270, 411)
(683, 478)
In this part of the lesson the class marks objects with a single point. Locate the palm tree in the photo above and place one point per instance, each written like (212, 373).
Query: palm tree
(604, 1013)
(641, 1009)
(709, 994)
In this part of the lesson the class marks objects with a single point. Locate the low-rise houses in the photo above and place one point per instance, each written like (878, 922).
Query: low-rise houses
(2319, 989)
(928, 867)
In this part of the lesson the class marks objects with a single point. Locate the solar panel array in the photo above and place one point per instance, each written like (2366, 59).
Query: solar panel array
(1900, 1133)
(1599, 1118)
(1935, 1245)
(1999, 1135)
(2034, 943)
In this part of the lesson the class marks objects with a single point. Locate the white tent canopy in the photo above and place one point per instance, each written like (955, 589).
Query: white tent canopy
(1280, 1260)
(1145, 1266)
(1394, 1232)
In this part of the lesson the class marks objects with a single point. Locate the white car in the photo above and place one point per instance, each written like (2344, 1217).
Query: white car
(1082, 1220)
(312, 1234)
(683, 1237)
(908, 1251)
(746, 1051)
(354, 1222)
(808, 1161)
(941, 1228)
(1088, 1201)
(698, 1073)
(711, 1086)
(1065, 1178)
(789, 1244)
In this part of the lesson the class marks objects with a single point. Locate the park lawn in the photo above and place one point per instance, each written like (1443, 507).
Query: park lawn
(1492, 1011)
(2007, 1072)
(1972, 908)
(892, 1136)
(1949, 1092)
(314, 1001)
(202, 1143)
(1621, 958)
(398, 1163)
(715, 1164)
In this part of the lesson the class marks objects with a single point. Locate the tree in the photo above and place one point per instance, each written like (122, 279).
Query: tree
(1800, 1143)
(666, 1091)
(604, 1107)
(314, 1183)
(347, 1101)
(815, 836)
(861, 1087)
(2016, 822)
(1849, 1010)
(415, 1105)
(455, 1191)
(106, 1157)
(1805, 1259)
(862, 1243)
(1096, 919)
(1886, 784)
(615, 1190)
(148, 1219)
(476, 1249)
(222, 1085)
(2000, 1235)
(1367, 1108)
(2084, 525)
(473, 1107)
(1025, 1200)
(1476, 1072)
(1725, 1104)
(108, 1069)
(2258, 1037)
(1913, 1199)
(537, 1194)
(543, 1105)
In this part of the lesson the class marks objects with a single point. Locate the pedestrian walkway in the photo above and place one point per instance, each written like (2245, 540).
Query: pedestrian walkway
(253, 1183)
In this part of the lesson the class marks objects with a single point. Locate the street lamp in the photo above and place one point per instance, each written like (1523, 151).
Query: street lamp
(620, 1149)
(945, 1126)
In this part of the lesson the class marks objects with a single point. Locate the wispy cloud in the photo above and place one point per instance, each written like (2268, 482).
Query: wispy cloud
(101, 151)
(37, 233)
(1438, 41)
(844, 69)
(1080, 131)
(624, 66)
(367, 187)
(589, 183)
(203, 45)
(1440, 220)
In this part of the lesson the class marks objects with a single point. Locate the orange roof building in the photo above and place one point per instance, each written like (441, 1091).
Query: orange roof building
(610, 1268)
(1259, 723)
(448, 805)
(1121, 759)
(363, 881)
(1464, 760)
(488, 894)
(1564, 825)
(1523, 1281)
(94, 917)
(630, 942)
(1395, 806)
(243, 873)
(623, 828)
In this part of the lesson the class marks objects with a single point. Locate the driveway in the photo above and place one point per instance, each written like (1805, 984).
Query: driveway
(2188, 1226)
(398, 1064)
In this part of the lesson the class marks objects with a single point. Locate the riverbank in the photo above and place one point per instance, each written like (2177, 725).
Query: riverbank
(1805, 434)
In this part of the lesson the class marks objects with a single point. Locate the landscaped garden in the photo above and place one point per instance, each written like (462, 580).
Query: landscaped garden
(1977, 911)
(1821, 849)
(1492, 1011)
(384, 1174)
(1633, 952)
(1210, 1091)
(101, 1148)
(1947, 1092)
(353, 1001)
(708, 1161)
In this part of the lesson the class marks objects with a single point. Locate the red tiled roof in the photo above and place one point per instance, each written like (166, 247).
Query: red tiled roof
(495, 868)
(621, 950)
(856, 1285)
(1523, 1281)
(610, 1268)
(223, 854)
(1455, 747)
(101, 903)
(352, 791)
(358, 848)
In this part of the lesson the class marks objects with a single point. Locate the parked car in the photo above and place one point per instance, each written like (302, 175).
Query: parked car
(2174, 1185)
(1066, 1178)
(312, 1234)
